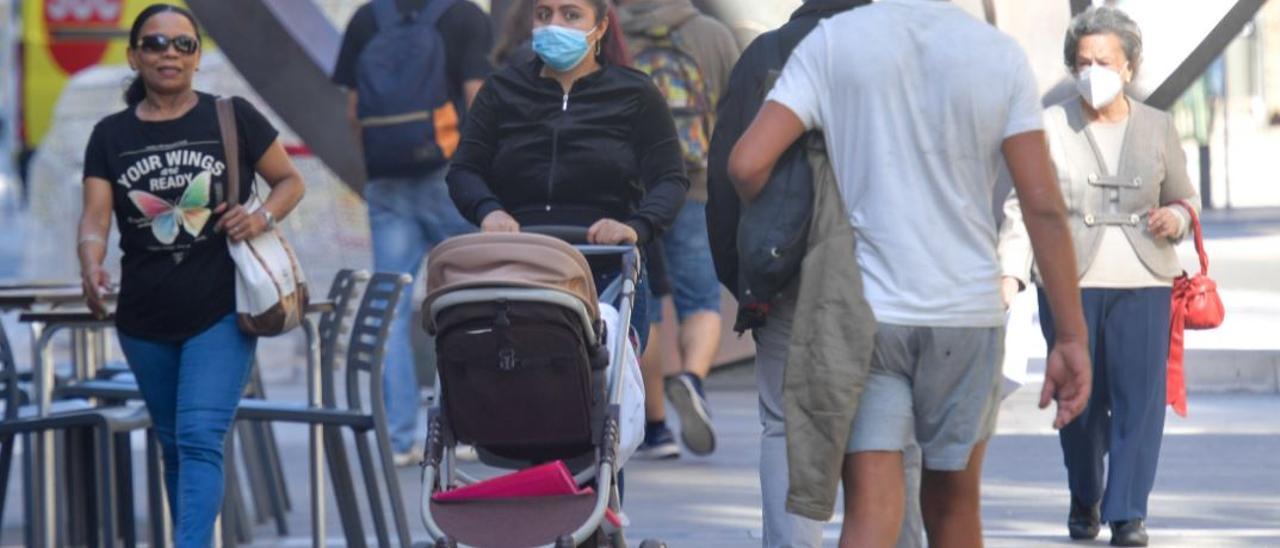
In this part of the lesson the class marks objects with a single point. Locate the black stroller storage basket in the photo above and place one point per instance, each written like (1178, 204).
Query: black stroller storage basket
(521, 378)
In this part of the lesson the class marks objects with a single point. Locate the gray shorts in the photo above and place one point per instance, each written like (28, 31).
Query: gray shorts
(940, 384)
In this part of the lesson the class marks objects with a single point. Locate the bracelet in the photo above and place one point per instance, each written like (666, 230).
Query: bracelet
(271, 219)
(91, 238)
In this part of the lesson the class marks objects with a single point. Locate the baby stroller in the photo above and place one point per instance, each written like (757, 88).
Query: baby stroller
(524, 358)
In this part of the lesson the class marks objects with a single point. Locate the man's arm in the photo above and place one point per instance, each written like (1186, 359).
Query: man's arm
(757, 152)
(1068, 373)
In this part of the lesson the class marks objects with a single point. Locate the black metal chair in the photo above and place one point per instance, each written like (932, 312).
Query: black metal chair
(110, 427)
(364, 358)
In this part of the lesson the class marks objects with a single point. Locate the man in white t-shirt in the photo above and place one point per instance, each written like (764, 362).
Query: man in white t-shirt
(920, 103)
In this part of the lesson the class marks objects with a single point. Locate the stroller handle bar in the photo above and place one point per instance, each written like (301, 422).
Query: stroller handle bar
(577, 237)
(573, 235)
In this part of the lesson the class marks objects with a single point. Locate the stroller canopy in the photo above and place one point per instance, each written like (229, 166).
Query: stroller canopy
(519, 260)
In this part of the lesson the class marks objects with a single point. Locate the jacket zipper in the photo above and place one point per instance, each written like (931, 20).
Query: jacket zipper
(555, 148)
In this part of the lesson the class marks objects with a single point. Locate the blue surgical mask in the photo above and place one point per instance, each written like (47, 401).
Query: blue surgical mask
(561, 48)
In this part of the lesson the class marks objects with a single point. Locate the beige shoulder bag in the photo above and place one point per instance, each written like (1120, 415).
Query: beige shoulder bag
(271, 291)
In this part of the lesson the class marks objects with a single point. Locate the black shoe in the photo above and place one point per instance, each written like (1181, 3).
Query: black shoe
(1084, 522)
(1128, 533)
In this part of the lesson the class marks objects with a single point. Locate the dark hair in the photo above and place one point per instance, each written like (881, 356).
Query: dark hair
(137, 90)
(613, 47)
(517, 28)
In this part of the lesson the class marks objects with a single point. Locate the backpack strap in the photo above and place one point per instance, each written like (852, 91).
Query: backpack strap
(230, 148)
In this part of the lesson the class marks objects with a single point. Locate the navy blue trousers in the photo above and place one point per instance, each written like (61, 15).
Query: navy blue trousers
(1124, 421)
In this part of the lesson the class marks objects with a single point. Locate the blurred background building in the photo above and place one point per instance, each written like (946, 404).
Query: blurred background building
(63, 67)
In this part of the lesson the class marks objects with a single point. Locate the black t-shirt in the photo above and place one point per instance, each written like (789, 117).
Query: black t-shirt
(464, 28)
(177, 278)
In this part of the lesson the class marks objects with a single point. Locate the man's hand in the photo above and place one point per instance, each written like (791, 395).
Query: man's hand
(1068, 379)
(1009, 288)
(611, 232)
(499, 221)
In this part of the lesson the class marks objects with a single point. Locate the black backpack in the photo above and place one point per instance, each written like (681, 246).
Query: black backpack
(773, 230)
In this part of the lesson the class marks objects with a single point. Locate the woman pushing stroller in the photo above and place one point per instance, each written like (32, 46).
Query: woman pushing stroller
(572, 137)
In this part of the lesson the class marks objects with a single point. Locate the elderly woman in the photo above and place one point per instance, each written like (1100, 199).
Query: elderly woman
(1122, 169)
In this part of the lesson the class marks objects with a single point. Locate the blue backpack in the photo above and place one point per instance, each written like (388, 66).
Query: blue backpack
(409, 122)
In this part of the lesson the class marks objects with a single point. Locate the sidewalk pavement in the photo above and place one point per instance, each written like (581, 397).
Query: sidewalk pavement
(1218, 484)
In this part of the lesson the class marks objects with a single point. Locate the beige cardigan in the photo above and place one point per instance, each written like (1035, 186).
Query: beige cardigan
(1152, 173)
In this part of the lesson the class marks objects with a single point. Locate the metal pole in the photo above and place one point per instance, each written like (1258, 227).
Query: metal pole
(314, 398)
(45, 510)
(1226, 127)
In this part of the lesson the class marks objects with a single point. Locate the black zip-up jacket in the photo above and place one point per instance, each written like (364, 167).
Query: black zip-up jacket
(741, 101)
(606, 149)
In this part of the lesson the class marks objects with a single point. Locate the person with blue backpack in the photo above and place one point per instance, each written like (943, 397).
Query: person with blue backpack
(411, 68)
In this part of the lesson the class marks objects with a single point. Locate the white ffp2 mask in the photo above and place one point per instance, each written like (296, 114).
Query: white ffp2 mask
(1099, 86)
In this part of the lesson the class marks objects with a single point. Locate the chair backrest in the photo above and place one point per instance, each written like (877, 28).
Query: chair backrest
(369, 332)
(9, 377)
(335, 323)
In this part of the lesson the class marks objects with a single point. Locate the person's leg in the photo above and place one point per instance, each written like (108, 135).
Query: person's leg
(1138, 324)
(873, 499)
(696, 293)
(956, 393)
(652, 362)
(1084, 440)
(214, 369)
(882, 428)
(696, 290)
(155, 366)
(911, 534)
(399, 245)
(951, 504)
(782, 529)
(651, 365)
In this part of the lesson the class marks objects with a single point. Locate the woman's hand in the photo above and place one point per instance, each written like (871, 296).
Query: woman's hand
(239, 224)
(1164, 222)
(1009, 288)
(499, 221)
(96, 283)
(611, 232)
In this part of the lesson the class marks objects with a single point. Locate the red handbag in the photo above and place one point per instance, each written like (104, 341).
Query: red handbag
(1195, 305)
(1197, 296)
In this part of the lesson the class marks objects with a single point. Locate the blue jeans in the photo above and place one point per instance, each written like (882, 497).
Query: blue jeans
(191, 389)
(694, 286)
(407, 218)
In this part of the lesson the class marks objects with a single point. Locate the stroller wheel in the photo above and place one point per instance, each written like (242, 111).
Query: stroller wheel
(653, 543)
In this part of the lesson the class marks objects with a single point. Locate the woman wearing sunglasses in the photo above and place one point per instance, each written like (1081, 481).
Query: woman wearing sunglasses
(572, 137)
(159, 166)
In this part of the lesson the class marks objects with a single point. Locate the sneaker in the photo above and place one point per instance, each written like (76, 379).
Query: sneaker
(412, 457)
(659, 444)
(686, 395)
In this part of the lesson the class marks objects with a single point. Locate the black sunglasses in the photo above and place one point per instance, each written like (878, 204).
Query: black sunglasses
(159, 43)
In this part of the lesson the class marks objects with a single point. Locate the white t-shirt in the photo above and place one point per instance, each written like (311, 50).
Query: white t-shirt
(915, 98)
